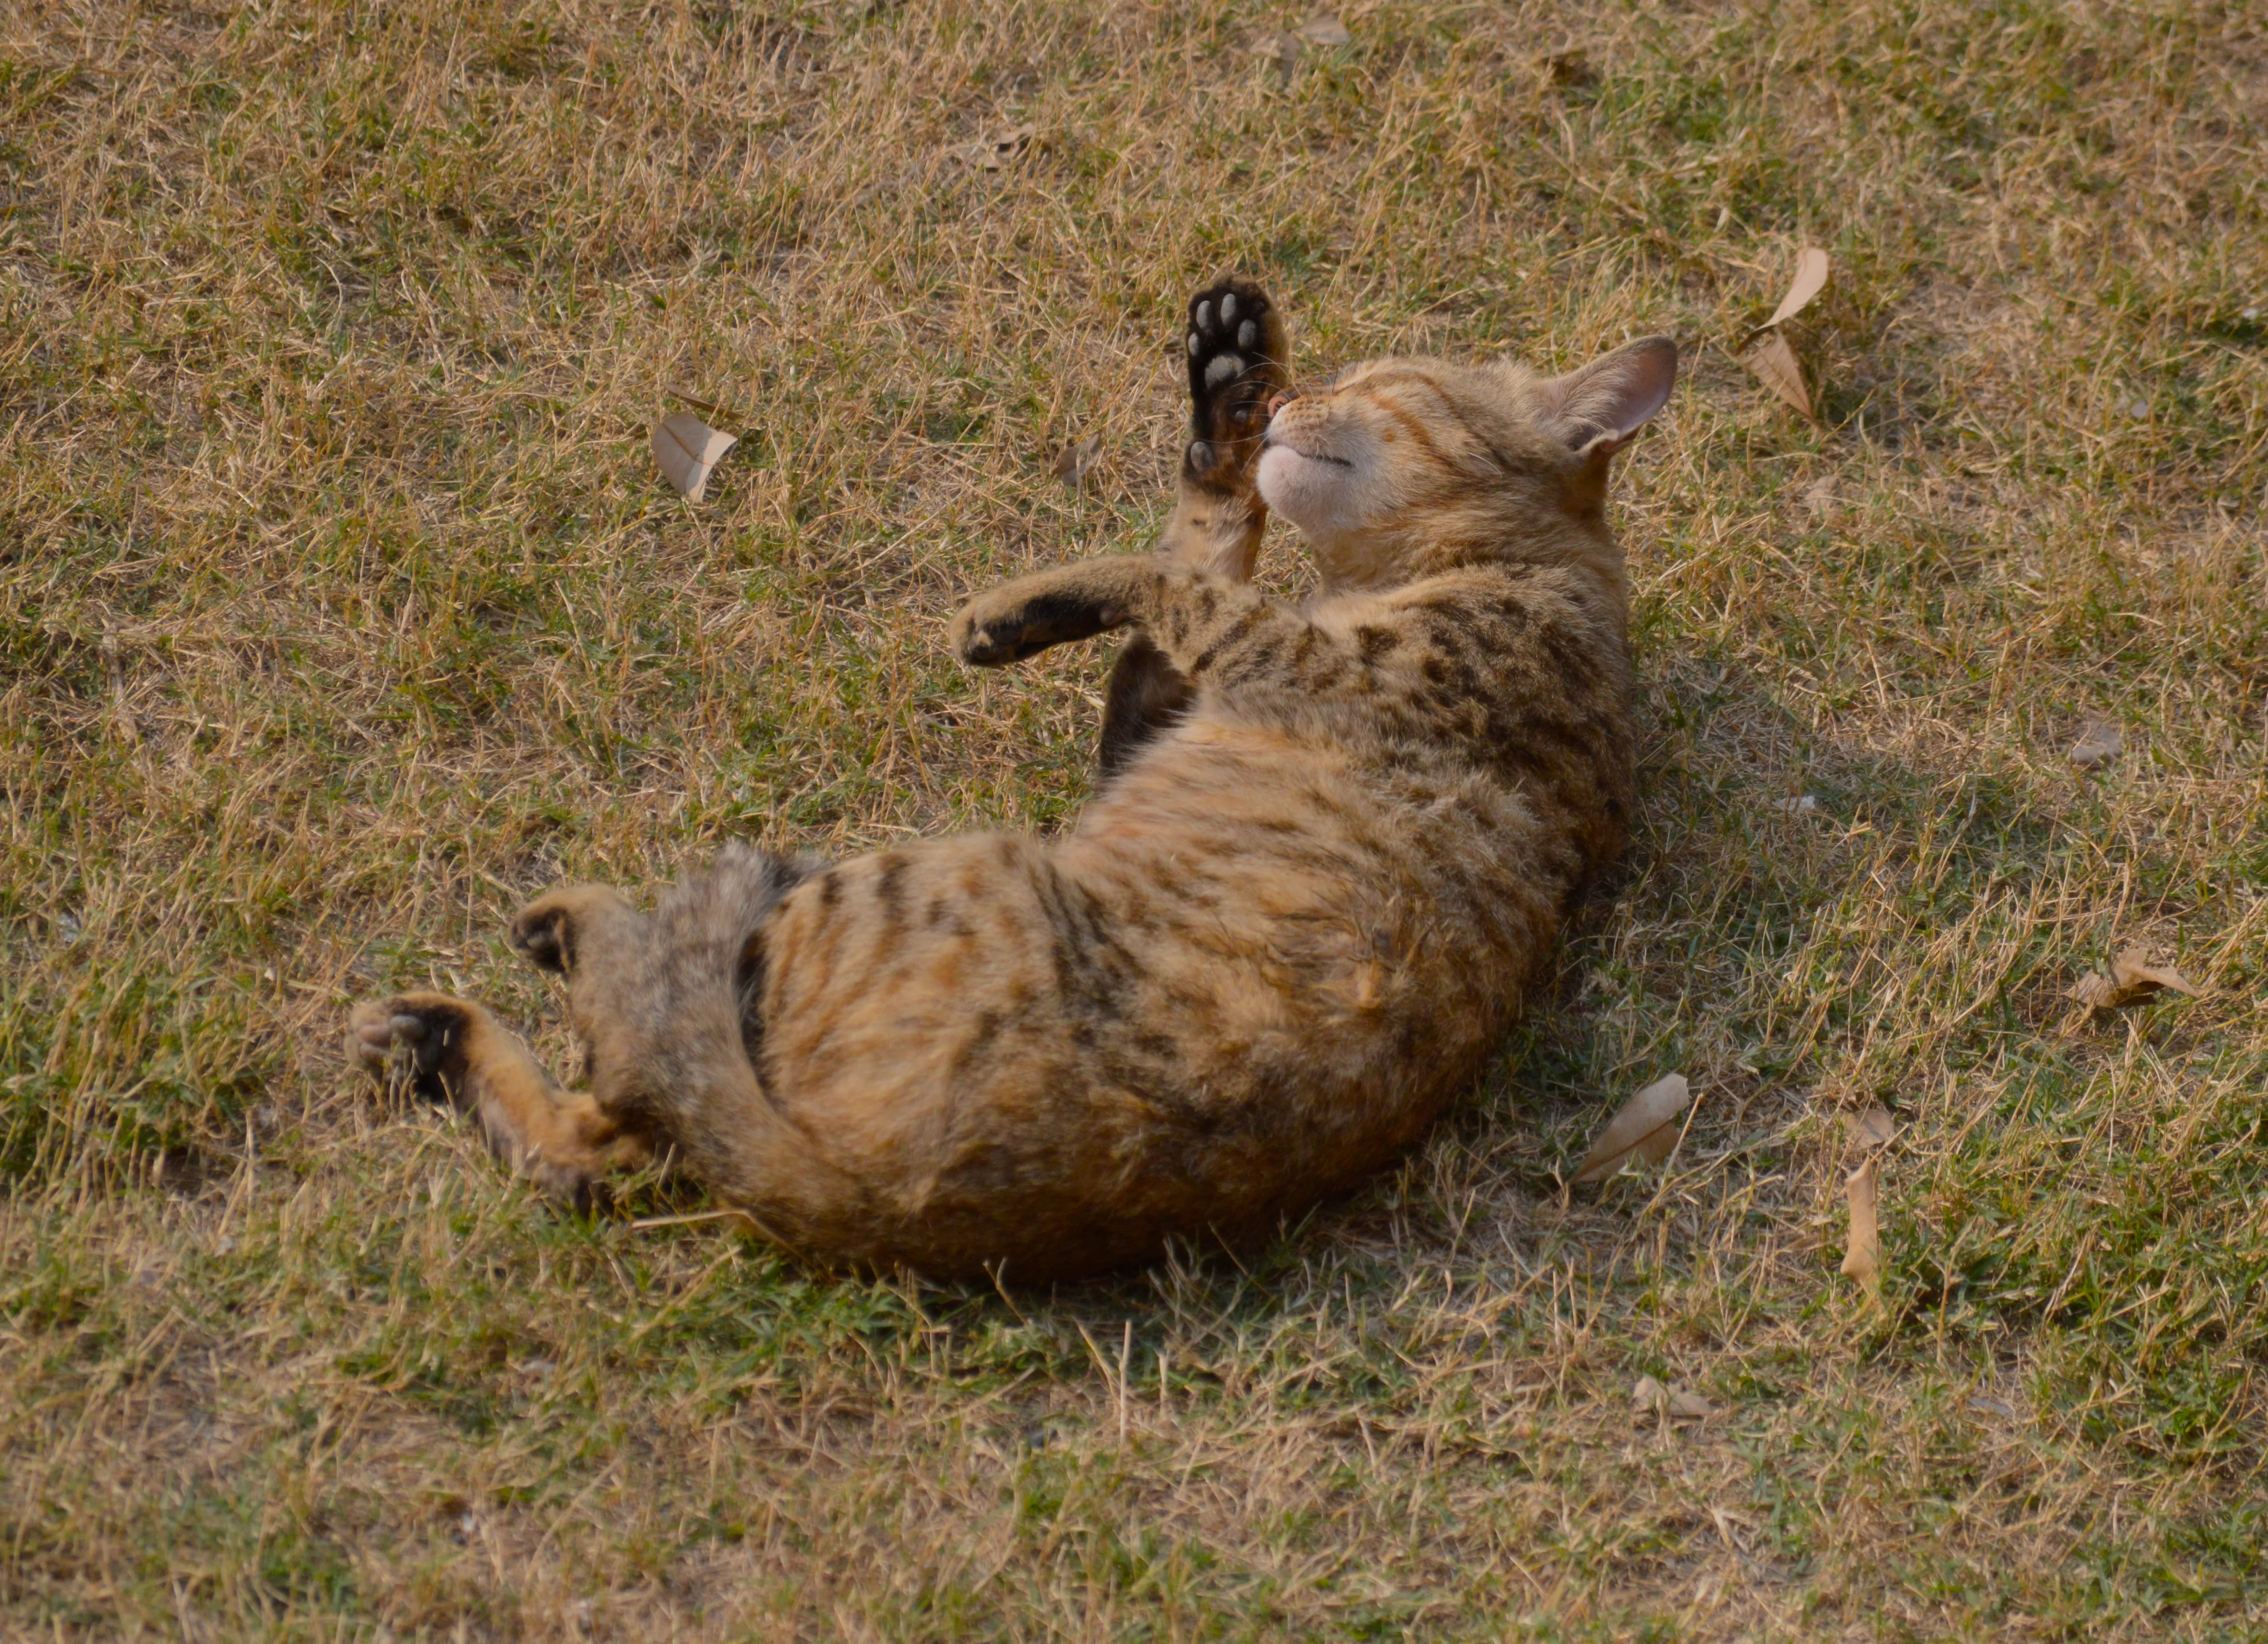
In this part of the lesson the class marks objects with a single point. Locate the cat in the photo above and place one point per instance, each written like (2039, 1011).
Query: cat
(1330, 853)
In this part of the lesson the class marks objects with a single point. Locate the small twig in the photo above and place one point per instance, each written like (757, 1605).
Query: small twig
(710, 406)
(747, 1222)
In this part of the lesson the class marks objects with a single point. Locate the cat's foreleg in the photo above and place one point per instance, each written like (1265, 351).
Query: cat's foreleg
(1237, 362)
(1200, 625)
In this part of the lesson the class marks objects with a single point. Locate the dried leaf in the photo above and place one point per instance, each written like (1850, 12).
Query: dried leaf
(1644, 1129)
(2131, 977)
(2133, 971)
(993, 152)
(1820, 497)
(1284, 49)
(1323, 30)
(2098, 741)
(1074, 459)
(1862, 1253)
(1571, 67)
(1773, 362)
(1810, 280)
(687, 448)
(1800, 804)
(1871, 1127)
(1649, 1400)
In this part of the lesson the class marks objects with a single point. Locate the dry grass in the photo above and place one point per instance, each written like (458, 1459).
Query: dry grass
(340, 608)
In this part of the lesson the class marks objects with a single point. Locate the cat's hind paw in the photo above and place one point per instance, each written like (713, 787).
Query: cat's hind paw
(416, 1040)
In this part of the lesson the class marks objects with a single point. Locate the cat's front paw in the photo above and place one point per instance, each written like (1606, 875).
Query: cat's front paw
(1239, 361)
(1049, 607)
(1003, 626)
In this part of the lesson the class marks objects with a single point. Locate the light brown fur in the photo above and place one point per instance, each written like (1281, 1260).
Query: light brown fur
(1332, 858)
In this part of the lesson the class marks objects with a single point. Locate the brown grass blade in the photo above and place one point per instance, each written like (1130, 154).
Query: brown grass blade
(2100, 740)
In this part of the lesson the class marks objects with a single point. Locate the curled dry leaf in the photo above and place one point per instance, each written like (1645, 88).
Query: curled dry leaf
(1810, 280)
(1862, 1254)
(2132, 969)
(1323, 30)
(1651, 1401)
(1571, 67)
(2131, 977)
(1871, 1127)
(1075, 459)
(2098, 741)
(995, 151)
(1799, 805)
(1645, 1129)
(687, 450)
(1774, 364)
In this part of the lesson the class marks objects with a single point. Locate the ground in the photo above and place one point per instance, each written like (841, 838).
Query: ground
(341, 607)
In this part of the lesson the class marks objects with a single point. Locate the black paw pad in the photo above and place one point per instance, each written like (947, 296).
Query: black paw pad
(421, 1046)
(1237, 362)
(541, 934)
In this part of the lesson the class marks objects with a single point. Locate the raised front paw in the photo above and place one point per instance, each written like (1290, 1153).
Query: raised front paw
(414, 1041)
(1239, 361)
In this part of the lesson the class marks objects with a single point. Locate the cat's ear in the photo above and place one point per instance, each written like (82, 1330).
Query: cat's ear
(1599, 408)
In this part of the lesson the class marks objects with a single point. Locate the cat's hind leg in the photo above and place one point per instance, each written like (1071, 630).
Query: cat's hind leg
(455, 1053)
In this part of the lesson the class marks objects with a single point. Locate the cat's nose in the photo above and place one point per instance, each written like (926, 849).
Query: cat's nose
(1277, 401)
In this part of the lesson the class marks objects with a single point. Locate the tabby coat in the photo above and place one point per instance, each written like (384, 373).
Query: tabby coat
(1330, 854)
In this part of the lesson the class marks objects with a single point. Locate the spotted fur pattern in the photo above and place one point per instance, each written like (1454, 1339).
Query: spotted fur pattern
(1286, 933)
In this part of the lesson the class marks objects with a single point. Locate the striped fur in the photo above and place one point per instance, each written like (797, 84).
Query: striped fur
(1284, 934)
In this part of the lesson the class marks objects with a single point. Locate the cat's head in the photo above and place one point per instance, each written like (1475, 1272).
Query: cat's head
(1391, 468)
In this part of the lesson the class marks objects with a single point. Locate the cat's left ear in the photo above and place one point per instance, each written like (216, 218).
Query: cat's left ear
(1599, 408)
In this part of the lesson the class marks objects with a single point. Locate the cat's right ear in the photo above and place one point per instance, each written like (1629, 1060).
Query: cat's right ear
(1599, 407)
